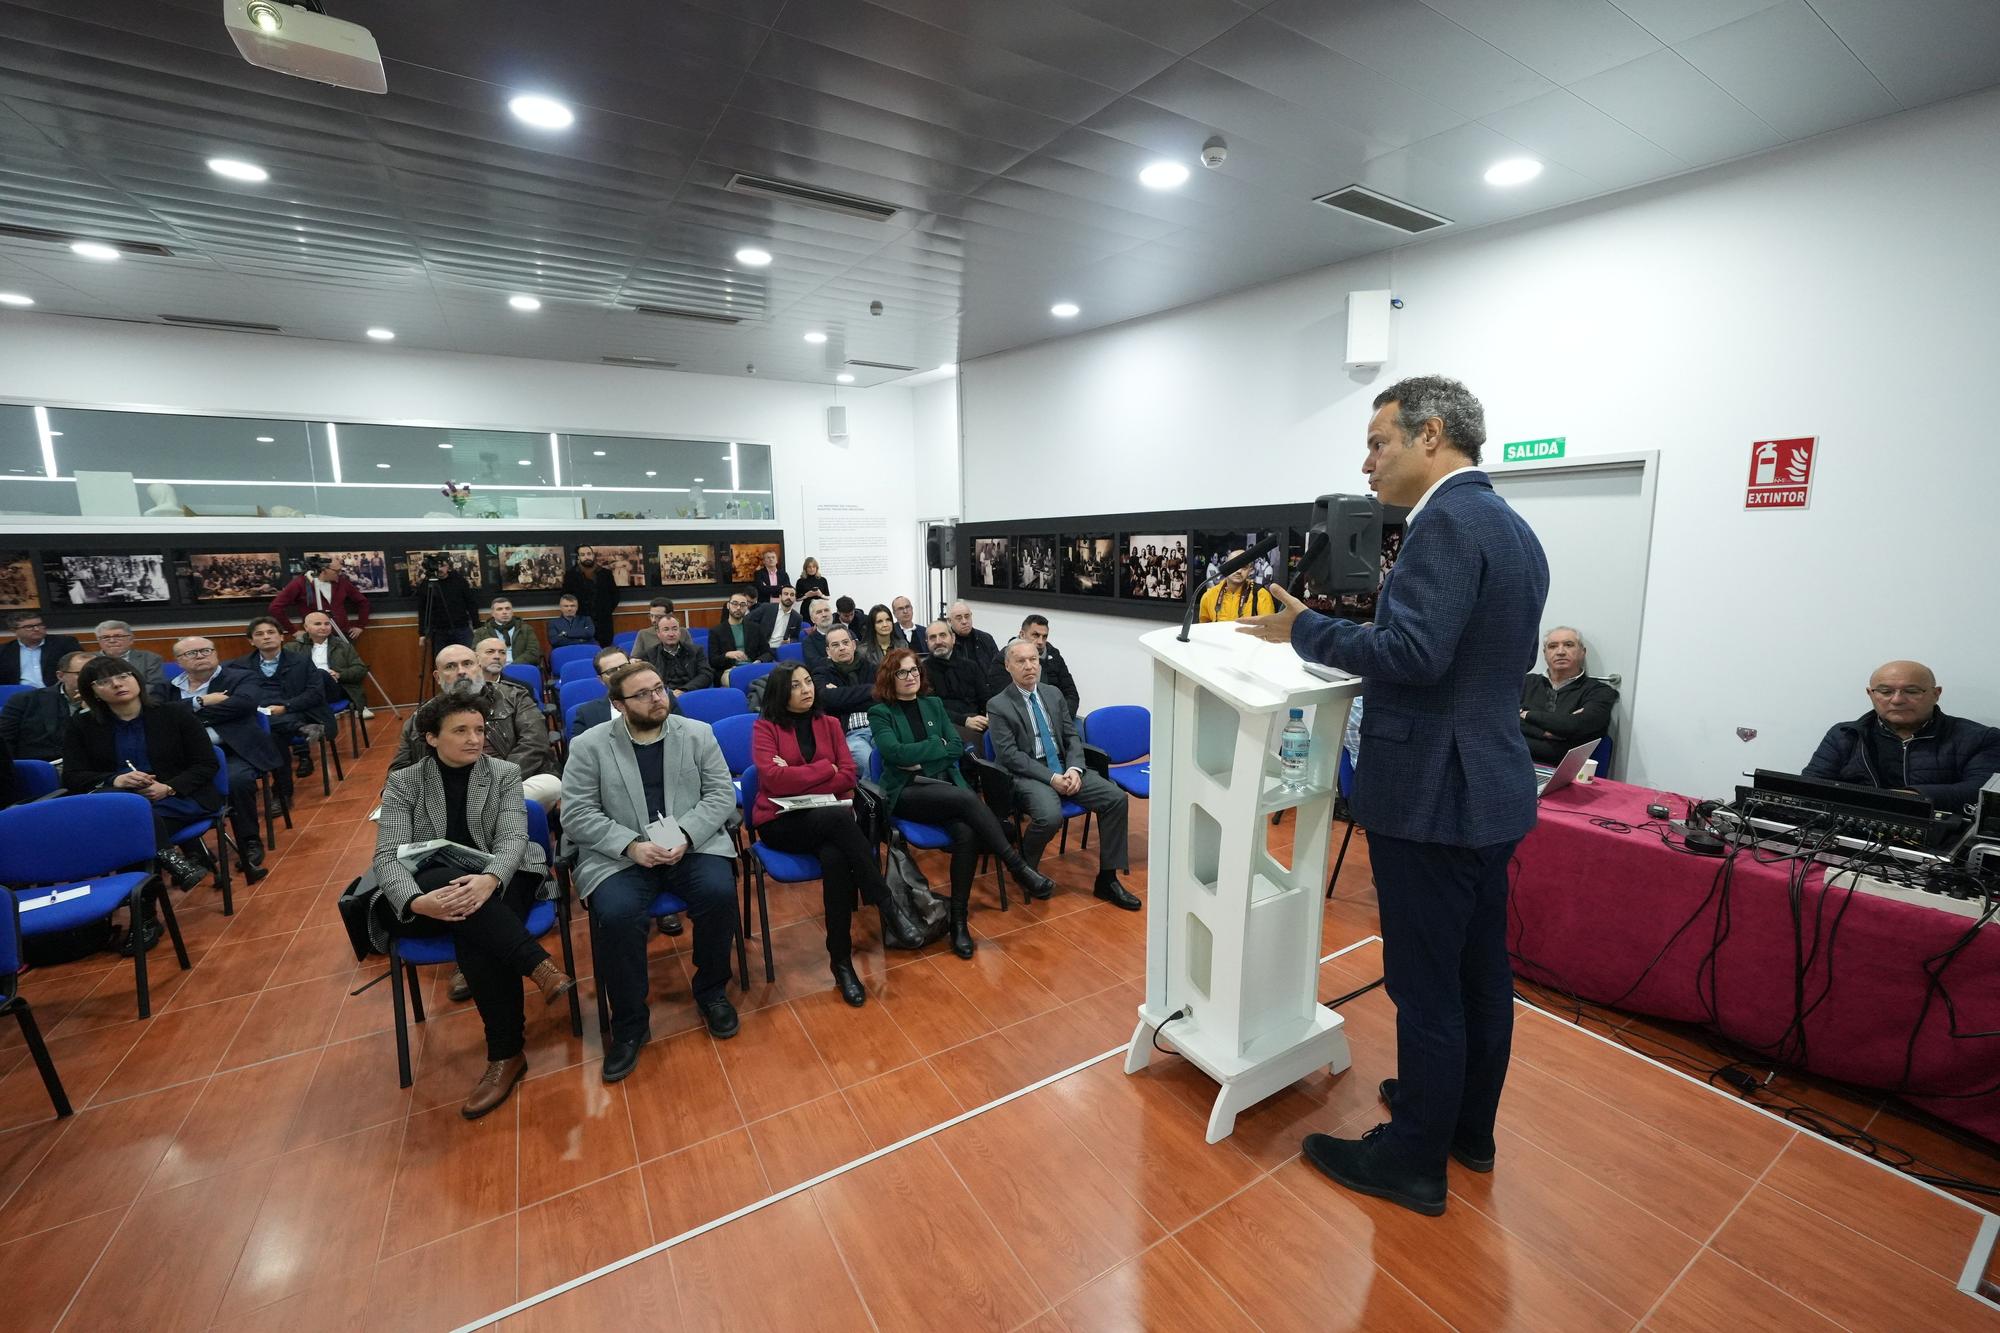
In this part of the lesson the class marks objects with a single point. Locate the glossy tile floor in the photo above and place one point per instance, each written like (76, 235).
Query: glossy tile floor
(244, 1159)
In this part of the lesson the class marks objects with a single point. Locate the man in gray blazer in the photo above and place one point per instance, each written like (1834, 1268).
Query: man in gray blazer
(620, 777)
(1036, 740)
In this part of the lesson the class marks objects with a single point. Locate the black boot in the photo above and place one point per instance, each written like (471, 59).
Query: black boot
(1032, 881)
(849, 985)
(180, 867)
(305, 768)
(961, 937)
(898, 931)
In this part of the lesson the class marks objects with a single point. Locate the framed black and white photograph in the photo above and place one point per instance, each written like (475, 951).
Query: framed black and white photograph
(1089, 566)
(1034, 560)
(686, 563)
(626, 563)
(531, 568)
(989, 562)
(17, 582)
(110, 580)
(1156, 566)
(1213, 548)
(420, 563)
(367, 570)
(232, 576)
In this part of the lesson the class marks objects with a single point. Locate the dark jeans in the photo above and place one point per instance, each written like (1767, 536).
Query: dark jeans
(1444, 954)
(961, 813)
(846, 862)
(622, 906)
(1099, 795)
(243, 801)
(494, 952)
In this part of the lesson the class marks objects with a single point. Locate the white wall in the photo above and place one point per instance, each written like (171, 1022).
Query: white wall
(934, 410)
(77, 361)
(1844, 288)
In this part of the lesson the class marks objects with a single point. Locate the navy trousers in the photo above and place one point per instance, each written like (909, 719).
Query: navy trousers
(1444, 957)
(622, 906)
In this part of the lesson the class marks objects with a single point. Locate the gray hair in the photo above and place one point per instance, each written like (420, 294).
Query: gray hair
(1421, 397)
(104, 625)
(1007, 654)
(1582, 644)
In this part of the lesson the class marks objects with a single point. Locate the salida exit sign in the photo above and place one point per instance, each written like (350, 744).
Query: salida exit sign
(1533, 451)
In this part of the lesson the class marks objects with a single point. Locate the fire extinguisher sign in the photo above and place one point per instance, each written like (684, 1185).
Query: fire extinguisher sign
(1781, 473)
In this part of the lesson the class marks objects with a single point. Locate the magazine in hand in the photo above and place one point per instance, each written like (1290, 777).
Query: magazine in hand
(665, 831)
(416, 856)
(815, 801)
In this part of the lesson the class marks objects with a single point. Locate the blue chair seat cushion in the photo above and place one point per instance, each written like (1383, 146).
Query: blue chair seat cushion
(1070, 810)
(927, 836)
(665, 903)
(787, 867)
(426, 949)
(106, 896)
(1135, 778)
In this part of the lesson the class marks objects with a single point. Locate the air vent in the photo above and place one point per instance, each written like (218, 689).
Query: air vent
(227, 325)
(881, 365)
(1357, 201)
(640, 362)
(853, 205)
(12, 232)
(675, 312)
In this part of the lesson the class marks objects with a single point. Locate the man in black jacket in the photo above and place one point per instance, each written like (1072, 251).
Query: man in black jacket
(846, 689)
(1908, 743)
(445, 607)
(977, 644)
(595, 590)
(785, 609)
(1055, 671)
(285, 688)
(681, 665)
(737, 640)
(34, 648)
(222, 699)
(1567, 707)
(33, 721)
(959, 680)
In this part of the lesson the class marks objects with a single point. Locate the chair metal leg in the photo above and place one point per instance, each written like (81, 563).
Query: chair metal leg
(416, 992)
(325, 778)
(172, 922)
(270, 832)
(1086, 830)
(331, 749)
(1334, 878)
(569, 960)
(597, 970)
(354, 728)
(397, 1002)
(764, 922)
(51, 1080)
(222, 865)
(742, 945)
(137, 904)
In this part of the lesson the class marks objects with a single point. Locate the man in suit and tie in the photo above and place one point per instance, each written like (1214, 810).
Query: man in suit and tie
(221, 698)
(620, 781)
(1448, 788)
(1036, 740)
(32, 656)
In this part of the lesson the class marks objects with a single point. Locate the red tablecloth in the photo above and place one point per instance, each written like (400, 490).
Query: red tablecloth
(1592, 907)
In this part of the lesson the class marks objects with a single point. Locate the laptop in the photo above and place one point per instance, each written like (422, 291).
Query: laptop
(1564, 773)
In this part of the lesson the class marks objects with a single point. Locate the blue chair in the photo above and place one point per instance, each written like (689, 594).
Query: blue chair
(1344, 778)
(357, 730)
(790, 652)
(571, 652)
(35, 778)
(405, 955)
(201, 828)
(569, 720)
(9, 691)
(525, 673)
(1602, 754)
(580, 691)
(733, 733)
(712, 705)
(1125, 733)
(743, 677)
(699, 635)
(928, 837)
(623, 642)
(88, 842)
(573, 670)
(785, 867)
(13, 1002)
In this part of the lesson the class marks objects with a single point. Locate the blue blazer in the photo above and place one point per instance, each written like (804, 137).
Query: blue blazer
(1457, 625)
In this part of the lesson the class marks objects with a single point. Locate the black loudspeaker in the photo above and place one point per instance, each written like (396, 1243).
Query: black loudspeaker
(941, 546)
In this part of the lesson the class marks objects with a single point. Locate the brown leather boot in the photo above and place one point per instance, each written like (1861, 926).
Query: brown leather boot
(494, 1085)
(555, 982)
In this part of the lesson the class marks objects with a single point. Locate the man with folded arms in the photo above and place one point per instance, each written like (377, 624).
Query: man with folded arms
(222, 700)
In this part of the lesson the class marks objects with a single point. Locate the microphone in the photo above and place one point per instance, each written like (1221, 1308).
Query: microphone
(1249, 557)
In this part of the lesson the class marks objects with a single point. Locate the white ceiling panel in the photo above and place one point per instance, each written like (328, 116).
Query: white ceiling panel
(1921, 50)
(1562, 127)
(1414, 44)
(1673, 21)
(1674, 105)
(1562, 40)
(1789, 68)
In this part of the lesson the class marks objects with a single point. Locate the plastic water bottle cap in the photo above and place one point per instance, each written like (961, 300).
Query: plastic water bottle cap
(1298, 713)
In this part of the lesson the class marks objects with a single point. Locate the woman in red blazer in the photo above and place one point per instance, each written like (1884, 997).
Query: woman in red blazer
(800, 751)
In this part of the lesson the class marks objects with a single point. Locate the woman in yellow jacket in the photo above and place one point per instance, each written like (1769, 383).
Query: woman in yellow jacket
(1235, 598)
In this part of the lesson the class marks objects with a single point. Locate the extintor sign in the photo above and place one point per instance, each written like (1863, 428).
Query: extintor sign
(1781, 473)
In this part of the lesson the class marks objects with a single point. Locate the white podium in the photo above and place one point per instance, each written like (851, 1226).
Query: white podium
(1233, 935)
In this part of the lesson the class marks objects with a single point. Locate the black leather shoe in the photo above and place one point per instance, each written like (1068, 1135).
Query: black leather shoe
(720, 1015)
(182, 869)
(1364, 1167)
(252, 852)
(623, 1056)
(851, 989)
(255, 874)
(459, 989)
(305, 768)
(1034, 884)
(1109, 889)
(1472, 1154)
(671, 924)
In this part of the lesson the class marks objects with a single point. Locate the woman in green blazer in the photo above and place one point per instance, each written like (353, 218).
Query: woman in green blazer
(920, 780)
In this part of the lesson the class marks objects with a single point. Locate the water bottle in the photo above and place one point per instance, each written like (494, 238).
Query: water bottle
(1294, 746)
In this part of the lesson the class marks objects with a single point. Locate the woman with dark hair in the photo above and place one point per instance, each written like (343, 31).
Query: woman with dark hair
(811, 583)
(881, 636)
(800, 751)
(920, 780)
(127, 742)
(458, 792)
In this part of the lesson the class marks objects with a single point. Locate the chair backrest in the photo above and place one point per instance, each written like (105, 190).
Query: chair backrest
(624, 641)
(10, 949)
(986, 745)
(523, 673)
(576, 669)
(574, 692)
(700, 636)
(60, 842)
(9, 691)
(221, 772)
(35, 777)
(538, 829)
(732, 733)
(711, 705)
(874, 765)
(1602, 754)
(1345, 775)
(571, 652)
(743, 677)
(748, 779)
(1123, 731)
(791, 652)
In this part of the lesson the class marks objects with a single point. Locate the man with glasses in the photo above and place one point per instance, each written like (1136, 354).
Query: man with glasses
(223, 701)
(33, 721)
(737, 640)
(598, 711)
(31, 658)
(914, 634)
(515, 728)
(647, 803)
(114, 639)
(1907, 743)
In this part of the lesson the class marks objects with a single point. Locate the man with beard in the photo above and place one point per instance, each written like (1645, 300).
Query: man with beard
(1055, 671)
(780, 620)
(739, 639)
(515, 728)
(957, 679)
(323, 587)
(595, 590)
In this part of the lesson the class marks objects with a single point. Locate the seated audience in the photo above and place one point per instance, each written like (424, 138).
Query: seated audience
(975, 643)
(515, 728)
(324, 586)
(652, 773)
(1907, 743)
(597, 711)
(569, 625)
(656, 610)
(222, 700)
(811, 583)
(483, 911)
(31, 657)
(915, 637)
(1566, 707)
(921, 780)
(879, 635)
(769, 579)
(522, 643)
(114, 639)
(799, 751)
(737, 640)
(846, 612)
(159, 752)
(782, 619)
(812, 641)
(1055, 671)
(33, 721)
(958, 682)
(1036, 740)
(681, 665)
(343, 675)
(286, 689)
(1235, 598)
(844, 687)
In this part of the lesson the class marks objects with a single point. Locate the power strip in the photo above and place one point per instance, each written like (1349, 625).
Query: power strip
(1838, 877)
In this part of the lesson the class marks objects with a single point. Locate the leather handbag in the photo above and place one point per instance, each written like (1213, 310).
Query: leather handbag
(907, 885)
(357, 900)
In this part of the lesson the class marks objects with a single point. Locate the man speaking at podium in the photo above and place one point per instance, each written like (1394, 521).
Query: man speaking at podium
(1445, 787)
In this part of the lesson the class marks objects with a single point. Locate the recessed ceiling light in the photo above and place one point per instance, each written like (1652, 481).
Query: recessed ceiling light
(266, 439)
(382, 335)
(238, 170)
(1163, 175)
(383, 466)
(751, 257)
(522, 302)
(15, 298)
(844, 378)
(652, 474)
(1513, 171)
(544, 113)
(446, 445)
(525, 462)
(1065, 310)
(815, 337)
(97, 250)
(597, 453)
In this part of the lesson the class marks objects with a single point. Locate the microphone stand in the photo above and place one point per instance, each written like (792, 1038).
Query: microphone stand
(1243, 561)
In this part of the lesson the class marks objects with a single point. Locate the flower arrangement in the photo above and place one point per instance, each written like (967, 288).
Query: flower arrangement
(458, 492)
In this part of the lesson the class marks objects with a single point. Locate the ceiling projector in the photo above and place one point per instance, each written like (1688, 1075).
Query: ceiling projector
(298, 39)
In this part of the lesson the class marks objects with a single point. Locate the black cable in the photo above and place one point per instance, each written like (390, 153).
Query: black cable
(1353, 994)
(1176, 1014)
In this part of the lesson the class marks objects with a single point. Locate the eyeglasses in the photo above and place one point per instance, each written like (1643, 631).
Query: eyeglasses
(195, 652)
(657, 692)
(1900, 691)
(908, 671)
